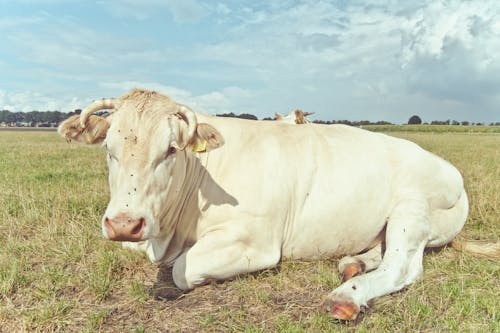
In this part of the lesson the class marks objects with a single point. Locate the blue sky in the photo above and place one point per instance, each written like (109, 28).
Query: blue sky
(356, 60)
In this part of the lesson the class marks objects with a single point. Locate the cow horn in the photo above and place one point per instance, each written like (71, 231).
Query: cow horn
(308, 114)
(105, 103)
(190, 118)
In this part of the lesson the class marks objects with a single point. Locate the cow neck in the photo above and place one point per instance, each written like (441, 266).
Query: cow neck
(183, 211)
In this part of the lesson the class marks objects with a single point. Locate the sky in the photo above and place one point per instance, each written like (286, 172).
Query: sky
(355, 60)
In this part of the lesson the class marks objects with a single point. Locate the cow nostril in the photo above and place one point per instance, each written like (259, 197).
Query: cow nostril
(138, 228)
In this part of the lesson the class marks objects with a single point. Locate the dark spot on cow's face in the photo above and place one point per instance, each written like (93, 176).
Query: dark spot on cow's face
(353, 287)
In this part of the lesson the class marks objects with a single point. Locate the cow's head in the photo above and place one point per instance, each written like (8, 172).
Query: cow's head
(296, 117)
(148, 138)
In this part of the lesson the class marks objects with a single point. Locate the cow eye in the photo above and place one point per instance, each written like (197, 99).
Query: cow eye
(171, 151)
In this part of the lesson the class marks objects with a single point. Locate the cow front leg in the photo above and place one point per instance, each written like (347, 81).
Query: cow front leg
(407, 234)
(221, 255)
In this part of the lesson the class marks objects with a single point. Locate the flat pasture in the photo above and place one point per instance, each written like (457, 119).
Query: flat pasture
(57, 273)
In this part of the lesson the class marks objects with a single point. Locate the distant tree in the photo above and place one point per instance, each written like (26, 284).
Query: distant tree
(242, 116)
(414, 120)
(247, 116)
(3, 115)
(465, 123)
(231, 115)
(268, 118)
(454, 122)
(11, 117)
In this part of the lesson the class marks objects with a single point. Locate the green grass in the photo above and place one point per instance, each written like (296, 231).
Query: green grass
(433, 128)
(58, 274)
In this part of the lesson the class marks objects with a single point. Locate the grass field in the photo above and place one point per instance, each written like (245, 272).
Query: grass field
(58, 274)
(433, 128)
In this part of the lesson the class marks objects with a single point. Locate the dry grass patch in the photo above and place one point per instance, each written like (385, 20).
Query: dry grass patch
(58, 274)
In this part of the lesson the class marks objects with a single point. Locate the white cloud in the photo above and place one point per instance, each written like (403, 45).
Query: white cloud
(433, 28)
(450, 51)
(135, 9)
(8, 22)
(182, 11)
(359, 60)
(222, 8)
(27, 101)
(445, 51)
(187, 10)
(122, 87)
(213, 102)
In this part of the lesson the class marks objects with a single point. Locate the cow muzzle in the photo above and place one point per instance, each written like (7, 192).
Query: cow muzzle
(125, 228)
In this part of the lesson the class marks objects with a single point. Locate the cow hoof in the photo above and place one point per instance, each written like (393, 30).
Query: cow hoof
(341, 309)
(351, 270)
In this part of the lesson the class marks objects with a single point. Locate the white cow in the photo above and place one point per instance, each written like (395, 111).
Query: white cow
(296, 117)
(217, 197)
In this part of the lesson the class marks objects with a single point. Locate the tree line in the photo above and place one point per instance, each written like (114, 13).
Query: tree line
(53, 118)
(415, 120)
(35, 118)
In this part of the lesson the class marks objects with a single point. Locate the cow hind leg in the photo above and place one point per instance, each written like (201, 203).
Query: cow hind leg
(407, 234)
(351, 266)
(447, 223)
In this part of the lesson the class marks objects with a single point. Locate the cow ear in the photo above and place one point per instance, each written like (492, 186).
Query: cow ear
(207, 138)
(93, 133)
(299, 116)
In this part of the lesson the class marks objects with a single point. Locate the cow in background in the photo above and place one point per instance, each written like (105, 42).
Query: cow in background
(296, 117)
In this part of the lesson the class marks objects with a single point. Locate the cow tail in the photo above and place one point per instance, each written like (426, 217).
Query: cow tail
(480, 248)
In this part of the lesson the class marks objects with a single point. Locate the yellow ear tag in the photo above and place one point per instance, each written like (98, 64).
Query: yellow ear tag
(299, 119)
(200, 146)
